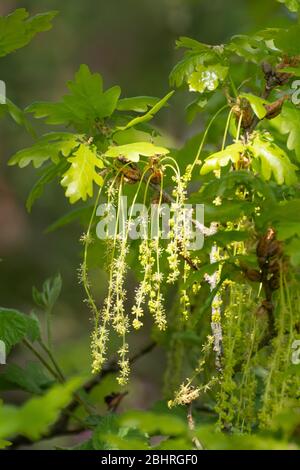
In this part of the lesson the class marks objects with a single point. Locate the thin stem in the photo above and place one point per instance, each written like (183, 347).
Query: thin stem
(42, 360)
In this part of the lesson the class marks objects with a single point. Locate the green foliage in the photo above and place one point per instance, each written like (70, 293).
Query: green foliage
(233, 313)
(31, 379)
(292, 5)
(80, 177)
(17, 29)
(15, 326)
(34, 418)
(132, 152)
(47, 298)
(289, 123)
(50, 146)
(84, 106)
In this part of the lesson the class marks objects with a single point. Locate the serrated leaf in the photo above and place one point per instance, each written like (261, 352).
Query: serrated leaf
(133, 151)
(207, 78)
(15, 326)
(232, 153)
(139, 104)
(35, 417)
(17, 29)
(257, 104)
(273, 162)
(85, 105)
(149, 115)
(50, 146)
(82, 174)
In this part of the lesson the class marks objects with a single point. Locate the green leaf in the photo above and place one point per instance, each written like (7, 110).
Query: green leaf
(48, 296)
(31, 379)
(273, 161)
(33, 419)
(85, 105)
(108, 424)
(207, 78)
(4, 444)
(80, 177)
(149, 115)
(232, 153)
(293, 250)
(287, 40)
(16, 114)
(15, 326)
(251, 48)
(50, 146)
(289, 123)
(17, 29)
(139, 104)
(48, 175)
(292, 5)
(257, 104)
(197, 54)
(133, 151)
(154, 423)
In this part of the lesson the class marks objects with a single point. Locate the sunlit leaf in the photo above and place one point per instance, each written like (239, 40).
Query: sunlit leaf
(207, 78)
(149, 115)
(49, 147)
(232, 153)
(273, 162)
(132, 152)
(82, 174)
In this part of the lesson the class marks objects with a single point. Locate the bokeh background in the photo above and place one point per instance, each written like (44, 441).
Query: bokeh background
(131, 43)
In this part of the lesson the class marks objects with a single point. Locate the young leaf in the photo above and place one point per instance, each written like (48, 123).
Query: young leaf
(48, 296)
(132, 152)
(251, 48)
(257, 104)
(49, 146)
(80, 177)
(232, 153)
(35, 417)
(207, 78)
(17, 29)
(196, 55)
(273, 161)
(289, 123)
(15, 326)
(86, 103)
(149, 115)
(139, 104)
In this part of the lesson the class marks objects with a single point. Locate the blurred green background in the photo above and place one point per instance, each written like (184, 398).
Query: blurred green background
(131, 43)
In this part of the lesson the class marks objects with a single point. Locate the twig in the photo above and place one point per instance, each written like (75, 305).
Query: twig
(60, 428)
